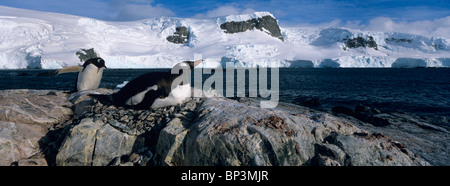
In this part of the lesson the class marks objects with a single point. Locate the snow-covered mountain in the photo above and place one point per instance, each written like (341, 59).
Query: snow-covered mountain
(32, 39)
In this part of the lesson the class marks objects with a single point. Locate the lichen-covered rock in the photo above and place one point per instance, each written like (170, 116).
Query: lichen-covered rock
(25, 118)
(228, 132)
(170, 139)
(93, 143)
(424, 136)
(201, 131)
(363, 149)
(110, 143)
(8, 150)
(107, 135)
(78, 147)
(34, 106)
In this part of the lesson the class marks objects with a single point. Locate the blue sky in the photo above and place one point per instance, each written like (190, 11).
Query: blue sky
(288, 12)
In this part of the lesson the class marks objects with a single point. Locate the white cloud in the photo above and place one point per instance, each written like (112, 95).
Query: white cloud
(437, 27)
(129, 10)
(223, 11)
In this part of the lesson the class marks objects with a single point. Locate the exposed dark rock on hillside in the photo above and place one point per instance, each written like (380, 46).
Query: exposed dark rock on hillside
(361, 42)
(267, 24)
(398, 40)
(181, 36)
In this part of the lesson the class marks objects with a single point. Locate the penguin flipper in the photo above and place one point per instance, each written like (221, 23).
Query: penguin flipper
(106, 99)
(69, 69)
(148, 100)
(75, 89)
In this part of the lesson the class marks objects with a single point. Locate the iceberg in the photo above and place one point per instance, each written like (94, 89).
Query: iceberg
(409, 63)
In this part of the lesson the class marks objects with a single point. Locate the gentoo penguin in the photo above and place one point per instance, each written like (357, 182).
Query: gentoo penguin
(91, 74)
(152, 90)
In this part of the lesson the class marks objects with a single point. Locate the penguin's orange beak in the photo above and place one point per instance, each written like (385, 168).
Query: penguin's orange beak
(198, 62)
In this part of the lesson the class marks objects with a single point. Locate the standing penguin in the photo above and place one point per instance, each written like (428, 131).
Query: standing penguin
(153, 90)
(91, 74)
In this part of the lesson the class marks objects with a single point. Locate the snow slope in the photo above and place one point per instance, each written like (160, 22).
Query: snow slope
(32, 39)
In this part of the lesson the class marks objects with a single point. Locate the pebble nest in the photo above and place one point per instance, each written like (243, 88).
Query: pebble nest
(136, 122)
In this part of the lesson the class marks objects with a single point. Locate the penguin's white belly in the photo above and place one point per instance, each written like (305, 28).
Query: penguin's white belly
(176, 96)
(89, 78)
(136, 99)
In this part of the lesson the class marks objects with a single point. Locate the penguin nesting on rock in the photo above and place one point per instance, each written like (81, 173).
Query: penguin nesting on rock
(90, 75)
(152, 90)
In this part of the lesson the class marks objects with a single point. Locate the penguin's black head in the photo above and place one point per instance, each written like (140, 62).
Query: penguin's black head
(98, 62)
(186, 64)
(192, 64)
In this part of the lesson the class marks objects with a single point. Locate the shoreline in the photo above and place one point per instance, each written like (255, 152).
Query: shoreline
(403, 131)
(404, 90)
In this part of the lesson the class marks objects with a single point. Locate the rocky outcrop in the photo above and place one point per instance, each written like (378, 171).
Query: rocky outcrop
(181, 35)
(93, 143)
(266, 23)
(361, 42)
(40, 107)
(425, 136)
(19, 141)
(86, 54)
(402, 40)
(105, 135)
(332, 35)
(236, 133)
(201, 131)
(365, 114)
(25, 119)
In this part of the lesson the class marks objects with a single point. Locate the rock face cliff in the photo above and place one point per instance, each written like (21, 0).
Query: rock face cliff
(361, 42)
(266, 23)
(180, 36)
(77, 130)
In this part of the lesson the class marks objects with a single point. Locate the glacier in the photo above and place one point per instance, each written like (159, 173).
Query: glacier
(44, 40)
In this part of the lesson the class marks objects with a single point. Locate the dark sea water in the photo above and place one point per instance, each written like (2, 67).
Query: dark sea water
(422, 90)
